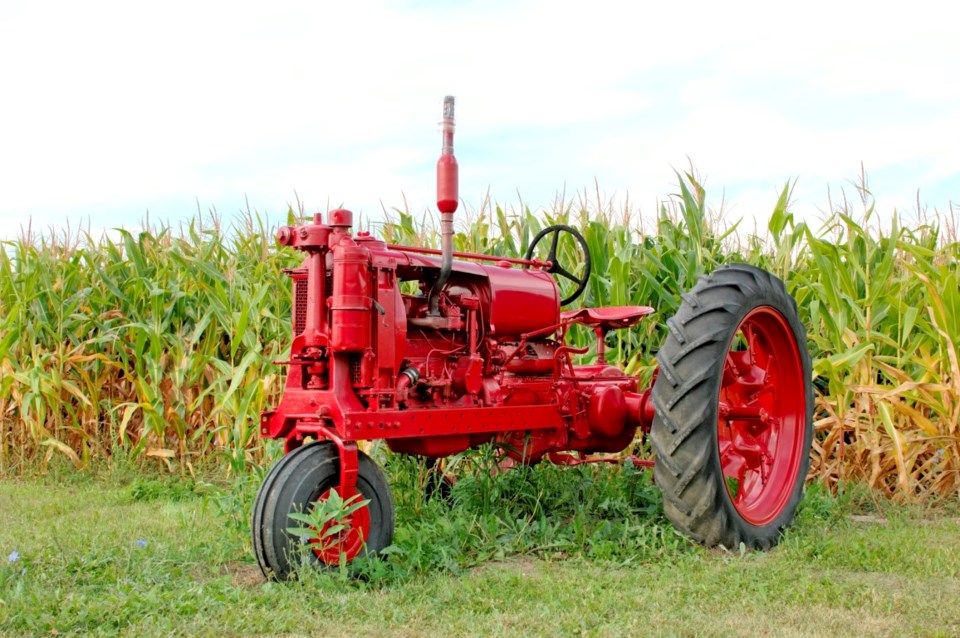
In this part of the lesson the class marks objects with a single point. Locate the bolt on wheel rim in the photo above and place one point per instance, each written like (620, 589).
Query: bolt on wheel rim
(762, 415)
(348, 541)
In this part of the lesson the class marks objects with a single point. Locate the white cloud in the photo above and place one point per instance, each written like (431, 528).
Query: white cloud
(115, 105)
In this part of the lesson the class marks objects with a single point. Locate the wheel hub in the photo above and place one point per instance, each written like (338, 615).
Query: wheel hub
(344, 536)
(761, 416)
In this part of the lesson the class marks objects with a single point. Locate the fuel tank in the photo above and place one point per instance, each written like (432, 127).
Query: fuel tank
(521, 301)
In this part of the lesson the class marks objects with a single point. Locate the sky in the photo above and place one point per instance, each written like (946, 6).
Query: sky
(113, 110)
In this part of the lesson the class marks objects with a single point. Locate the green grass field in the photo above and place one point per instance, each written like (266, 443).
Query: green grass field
(169, 557)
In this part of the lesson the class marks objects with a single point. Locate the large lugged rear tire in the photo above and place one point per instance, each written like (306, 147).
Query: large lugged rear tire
(733, 407)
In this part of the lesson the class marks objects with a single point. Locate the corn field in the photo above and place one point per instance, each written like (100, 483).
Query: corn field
(159, 345)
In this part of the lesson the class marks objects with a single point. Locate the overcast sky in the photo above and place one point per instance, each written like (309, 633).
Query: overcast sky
(110, 109)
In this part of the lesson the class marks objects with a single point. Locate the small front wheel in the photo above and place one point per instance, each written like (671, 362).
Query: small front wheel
(300, 480)
(733, 407)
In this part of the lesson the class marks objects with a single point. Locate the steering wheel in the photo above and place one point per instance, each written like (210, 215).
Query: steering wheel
(555, 267)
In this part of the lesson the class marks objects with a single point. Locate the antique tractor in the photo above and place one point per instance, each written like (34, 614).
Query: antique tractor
(474, 352)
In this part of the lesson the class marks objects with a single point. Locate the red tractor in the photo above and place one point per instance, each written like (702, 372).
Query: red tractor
(477, 354)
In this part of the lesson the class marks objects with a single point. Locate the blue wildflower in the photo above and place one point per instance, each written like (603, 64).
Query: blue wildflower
(141, 542)
(13, 557)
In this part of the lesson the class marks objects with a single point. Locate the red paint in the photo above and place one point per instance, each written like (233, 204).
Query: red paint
(348, 541)
(448, 190)
(350, 307)
(761, 423)
(493, 364)
(611, 318)
(448, 173)
(607, 411)
(339, 218)
(503, 262)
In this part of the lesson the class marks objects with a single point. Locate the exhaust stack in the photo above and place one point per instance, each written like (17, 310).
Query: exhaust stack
(447, 199)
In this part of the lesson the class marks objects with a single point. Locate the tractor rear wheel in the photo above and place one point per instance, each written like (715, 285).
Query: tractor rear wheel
(306, 476)
(733, 406)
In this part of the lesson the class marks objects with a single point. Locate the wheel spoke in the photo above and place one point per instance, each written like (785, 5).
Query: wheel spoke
(744, 377)
(741, 362)
(749, 484)
(736, 442)
(560, 270)
(761, 352)
(733, 464)
(730, 373)
(552, 255)
(725, 450)
(748, 448)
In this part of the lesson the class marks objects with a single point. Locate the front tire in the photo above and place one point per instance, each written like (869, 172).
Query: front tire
(733, 407)
(306, 476)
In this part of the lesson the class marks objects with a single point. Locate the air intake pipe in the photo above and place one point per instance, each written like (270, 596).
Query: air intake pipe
(447, 200)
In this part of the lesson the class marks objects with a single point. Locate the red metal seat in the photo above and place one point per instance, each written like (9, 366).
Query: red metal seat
(609, 318)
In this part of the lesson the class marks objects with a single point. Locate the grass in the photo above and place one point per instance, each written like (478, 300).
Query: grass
(585, 553)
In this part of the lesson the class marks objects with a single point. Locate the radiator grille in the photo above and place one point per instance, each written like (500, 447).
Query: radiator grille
(355, 369)
(299, 305)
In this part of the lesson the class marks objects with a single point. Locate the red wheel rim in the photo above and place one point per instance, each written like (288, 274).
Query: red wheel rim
(762, 416)
(349, 541)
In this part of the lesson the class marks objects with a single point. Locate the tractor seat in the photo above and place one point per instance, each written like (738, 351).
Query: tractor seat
(609, 318)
